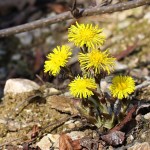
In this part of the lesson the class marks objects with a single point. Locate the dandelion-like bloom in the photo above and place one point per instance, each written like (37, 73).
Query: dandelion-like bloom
(79, 87)
(97, 60)
(88, 35)
(57, 59)
(122, 86)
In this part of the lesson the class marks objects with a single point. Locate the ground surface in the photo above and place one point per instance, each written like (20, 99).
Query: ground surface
(24, 55)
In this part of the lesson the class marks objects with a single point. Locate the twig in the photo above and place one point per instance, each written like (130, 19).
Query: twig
(97, 10)
(125, 121)
(40, 79)
(55, 124)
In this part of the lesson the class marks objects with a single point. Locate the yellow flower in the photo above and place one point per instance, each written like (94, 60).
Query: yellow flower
(122, 86)
(57, 59)
(79, 87)
(97, 61)
(88, 35)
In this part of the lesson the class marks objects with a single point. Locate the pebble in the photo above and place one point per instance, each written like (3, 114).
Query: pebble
(76, 135)
(131, 137)
(78, 124)
(147, 116)
(25, 38)
(48, 141)
(138, 118)
(51, 91)
(119, 66)
(143, 136)
(140, 146)
(18, 85)
(147, 17)
(71, 126)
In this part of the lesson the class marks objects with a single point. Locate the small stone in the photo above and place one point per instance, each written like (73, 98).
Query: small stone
(51, 91)
(147, 116)
(44, 143)
(78, 124)
(131, 137)
(67, 94)
(18, 85)
(147, 17)
(100, 146)
(71, 126)
(104, 85)
(119, 66)
(74, 135)
(111, 148)
(123, 24)
(53, 137)
(25, 38)
(143, 136)
(140, 146)
(13, 125)
(49, 141)
(138, 117)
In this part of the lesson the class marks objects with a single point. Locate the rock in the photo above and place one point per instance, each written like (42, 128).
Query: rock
(62, 103)
(70, 124)
(147, 17)
(143, 136)
(140, 146)
(44, 143)
(104, 85)
(25, 38)
(13, 125)
(100, 146)
(111, 148)
(147, 116)
(78, 124)
(74, 135)
(67, 94)
(139, 73)
(18, 85)
(119, 66)
(114, 138)
(49, 141)
(51, 91)
(131, 138)
(123, 24)
(138, 117)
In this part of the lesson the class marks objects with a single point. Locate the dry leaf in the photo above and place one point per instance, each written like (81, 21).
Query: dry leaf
(66, 143)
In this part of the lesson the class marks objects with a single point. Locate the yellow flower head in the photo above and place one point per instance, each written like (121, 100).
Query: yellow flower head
(57, 59)
(122, 86)
(88, 35)
(79, 87)
(97, 61)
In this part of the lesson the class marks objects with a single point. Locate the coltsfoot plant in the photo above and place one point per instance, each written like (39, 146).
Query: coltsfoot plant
(98, 107)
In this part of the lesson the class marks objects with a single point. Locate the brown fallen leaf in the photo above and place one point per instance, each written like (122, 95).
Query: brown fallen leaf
(35, 131)
(66, 143)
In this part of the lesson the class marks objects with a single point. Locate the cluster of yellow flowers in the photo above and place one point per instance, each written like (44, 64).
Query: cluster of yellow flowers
(89, 38)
